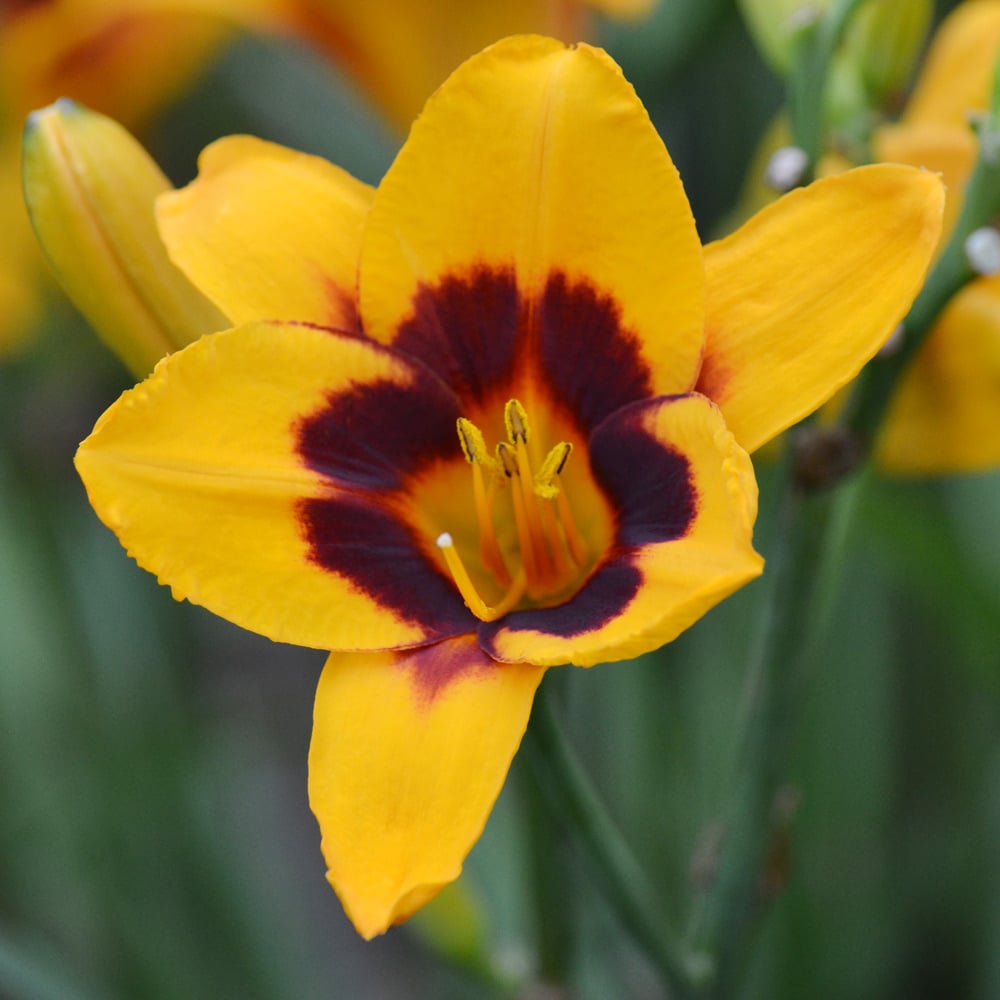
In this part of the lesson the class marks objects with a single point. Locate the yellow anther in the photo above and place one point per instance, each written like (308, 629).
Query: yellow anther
(474, 447)
(515, 419)
(475, 603)
(555, 461)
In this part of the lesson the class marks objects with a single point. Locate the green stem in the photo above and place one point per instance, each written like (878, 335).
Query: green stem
(552, 886)
(619, 874)
(803, 571)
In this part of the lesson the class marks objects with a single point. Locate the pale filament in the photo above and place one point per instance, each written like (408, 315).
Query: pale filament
(467, 589)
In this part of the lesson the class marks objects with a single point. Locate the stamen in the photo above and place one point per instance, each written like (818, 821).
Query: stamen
(536, 530)
(515, 419)
(475, 603)
(524, 543)
(555, 461)
(577, 546)
(474, 448)
(563, 569)
(489, 547)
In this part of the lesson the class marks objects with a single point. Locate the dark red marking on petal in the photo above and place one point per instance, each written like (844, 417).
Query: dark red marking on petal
(367, 440)
(651, 490)
(364, 540)
(650, 485)
(480, 333)
(371, 436)
(433, 668)
(591, 362)
(465, 328)
(602, 598)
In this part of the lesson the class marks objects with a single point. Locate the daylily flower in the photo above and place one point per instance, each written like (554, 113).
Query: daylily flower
(483, 428)
(946, 412)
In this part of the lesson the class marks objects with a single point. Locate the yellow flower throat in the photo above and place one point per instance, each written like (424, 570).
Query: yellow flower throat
(552, 553)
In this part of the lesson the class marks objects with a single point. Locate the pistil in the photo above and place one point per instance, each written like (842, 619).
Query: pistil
(475, 603)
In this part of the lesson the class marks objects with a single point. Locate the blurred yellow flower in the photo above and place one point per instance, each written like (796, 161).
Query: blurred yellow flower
(399, 51)
(945, 416)
(124, 59)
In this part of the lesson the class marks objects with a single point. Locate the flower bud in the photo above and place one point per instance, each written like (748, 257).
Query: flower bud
(884, 41)
(90, 188)
(775, 24)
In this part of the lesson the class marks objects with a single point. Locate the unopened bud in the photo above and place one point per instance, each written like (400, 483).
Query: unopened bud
(90, 188)
(786, 168)
(883, 42)
(893, 342)
(982, 250)
(775, 26)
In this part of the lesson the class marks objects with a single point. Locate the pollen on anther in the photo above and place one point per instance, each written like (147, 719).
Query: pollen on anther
(445, 541)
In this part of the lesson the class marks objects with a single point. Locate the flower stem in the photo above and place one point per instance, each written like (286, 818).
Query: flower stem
(803, 568)
(627, 888)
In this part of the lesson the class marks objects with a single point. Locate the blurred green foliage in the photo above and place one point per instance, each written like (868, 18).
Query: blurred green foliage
(155, 839)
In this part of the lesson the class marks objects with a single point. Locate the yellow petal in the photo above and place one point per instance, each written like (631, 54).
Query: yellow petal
(90, 187)
(958, 70)
(239, 476)
(809, 289)
(408, 755)
(945, 416)
(685, 499)
(269, 233)
(539, 161)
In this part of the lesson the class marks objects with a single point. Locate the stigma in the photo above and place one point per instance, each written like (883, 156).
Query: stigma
(549, 557)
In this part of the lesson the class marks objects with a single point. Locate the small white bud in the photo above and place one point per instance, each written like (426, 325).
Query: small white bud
(786, 168)
(982, 250)
(893, 342)
(804, 16)
(444, 540)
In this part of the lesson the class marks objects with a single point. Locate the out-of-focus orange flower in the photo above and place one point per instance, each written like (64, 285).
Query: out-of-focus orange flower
(399, 51)
(124, 59)
(128, 60)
